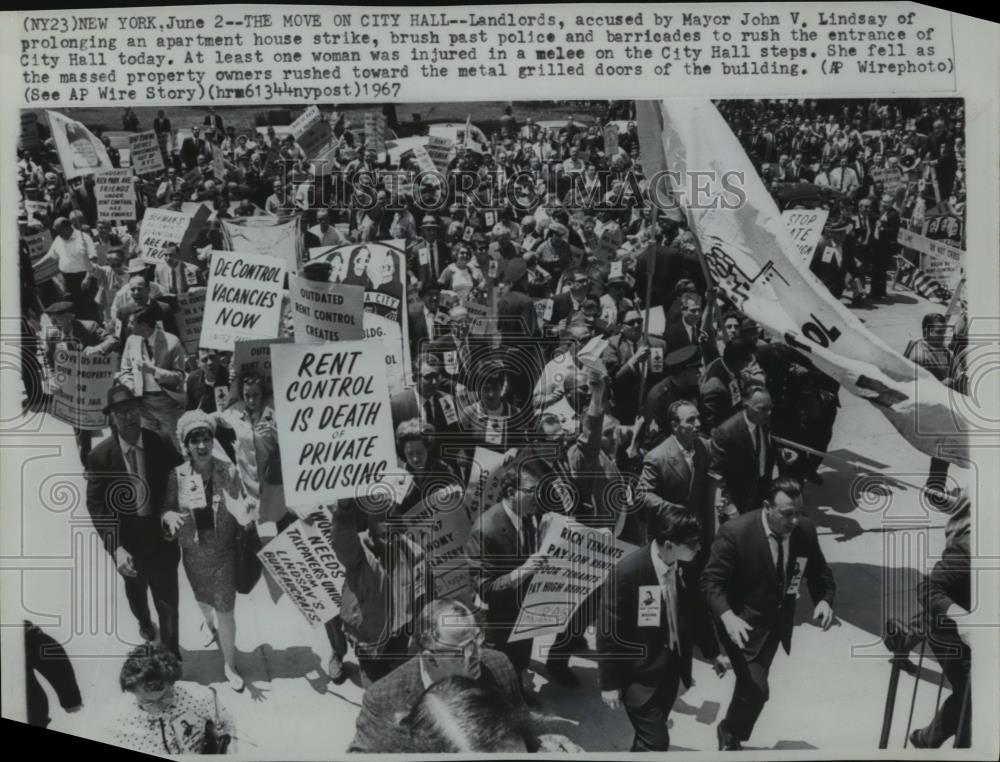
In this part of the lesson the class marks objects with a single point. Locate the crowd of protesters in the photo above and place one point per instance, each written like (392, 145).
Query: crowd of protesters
(609, 366)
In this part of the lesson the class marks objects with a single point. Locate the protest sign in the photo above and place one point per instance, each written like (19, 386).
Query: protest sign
(481, 317)
(483, 490)
(312, 132)
(375, 131)
(268, 236)
(80, 151)
(301, 560)
(381, 269)
(144, 149)
(253, 356)
(29, 139)
(806, 226)
(38, 245)
(159, 228)
(326, 311)
(34, 209)
(243, 300)
(424, 161)
(115, 195)
(190, 313)
(440, 526)
(440, 151)
(938, 260)
(577, 560)
(334, 420)
(80, 385)
(610, 139)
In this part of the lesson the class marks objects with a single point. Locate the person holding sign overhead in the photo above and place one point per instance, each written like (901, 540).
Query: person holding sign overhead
(652, 614)
(751, 583)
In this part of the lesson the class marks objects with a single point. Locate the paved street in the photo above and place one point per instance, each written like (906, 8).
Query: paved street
(828, 694)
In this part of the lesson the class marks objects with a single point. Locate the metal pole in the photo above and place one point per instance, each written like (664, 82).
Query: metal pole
(890, 704)
(913, 699)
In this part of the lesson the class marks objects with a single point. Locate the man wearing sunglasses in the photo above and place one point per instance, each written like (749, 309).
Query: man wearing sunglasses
(448, 642)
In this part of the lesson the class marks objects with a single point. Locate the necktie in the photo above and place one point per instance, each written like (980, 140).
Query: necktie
(780, 564)
(148, 348)
(429, 411)
(564, 474)
(761, 456)
(669, 586)
(528, 539)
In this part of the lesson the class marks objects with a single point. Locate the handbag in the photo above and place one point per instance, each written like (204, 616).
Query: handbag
(214, 742)
(248, 566)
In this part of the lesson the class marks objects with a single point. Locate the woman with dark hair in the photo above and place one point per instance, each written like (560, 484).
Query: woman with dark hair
(415, 444)
(165, 716)
(205, 509)
(251, 418)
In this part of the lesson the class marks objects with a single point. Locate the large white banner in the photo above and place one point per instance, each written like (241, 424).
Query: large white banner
(752, 257)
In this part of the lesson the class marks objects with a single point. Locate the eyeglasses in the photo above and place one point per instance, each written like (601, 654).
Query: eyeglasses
(466, 650)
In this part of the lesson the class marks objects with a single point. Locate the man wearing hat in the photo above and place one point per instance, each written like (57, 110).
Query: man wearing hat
(722, 384)
(126, 483)
(85, 335)
(427, 322)
(570, 302)
(554, 251)
(635, 365)
(458, 350)
(75, 253)
(152, 368)
(428, 256)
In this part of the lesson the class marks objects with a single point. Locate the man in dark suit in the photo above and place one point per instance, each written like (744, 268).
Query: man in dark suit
(720, 389)
(568, 303)
(449, 642)
(126, 481)
(459, 351)
(675, 472)
(432, 401)
(743, 453)
(517, 322)
(652, 613)
(426, 320)
(751, 583)
(208, 384)
(635, 366)
(503, 555)
(688, 330)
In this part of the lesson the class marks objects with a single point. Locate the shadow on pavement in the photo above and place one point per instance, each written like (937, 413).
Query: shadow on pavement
(263, 664)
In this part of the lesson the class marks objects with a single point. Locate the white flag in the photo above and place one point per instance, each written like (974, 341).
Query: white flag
(752, 257)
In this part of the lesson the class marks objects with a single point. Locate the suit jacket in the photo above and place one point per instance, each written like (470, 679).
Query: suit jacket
(636, 659)
(167, 320)
(391, 698)
(721, 395)
(562, 307)
(741, 576)
(168, 357)
(627, 394)
(494, 551)
(666, 478)
(418, 328)
(111, 499)
(735, 462)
